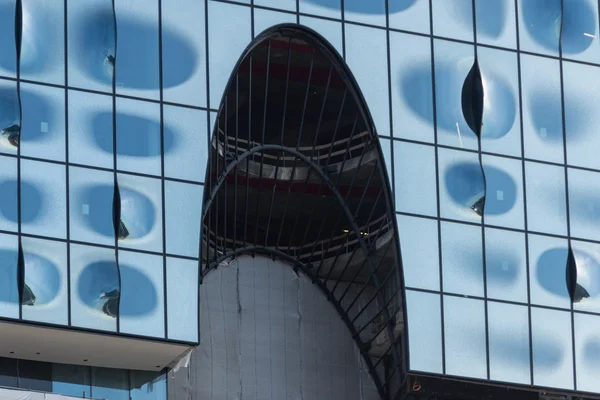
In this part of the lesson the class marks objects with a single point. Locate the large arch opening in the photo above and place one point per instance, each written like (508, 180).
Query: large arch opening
(295, 173)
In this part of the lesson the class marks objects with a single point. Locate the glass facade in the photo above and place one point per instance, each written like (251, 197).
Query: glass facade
(484, 111)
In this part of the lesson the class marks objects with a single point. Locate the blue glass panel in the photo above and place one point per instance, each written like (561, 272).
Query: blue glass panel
(371, 72)
(182, 296)
(43, 199)
(584, 203)
(587, 260)
(464, 335)
(368, 12)
(580, 30)
(147, 385)
(71, 380)
(547, 271)
(264, 19)
(141, 212)
(183, 215)
(138, 136)
(10, 116)
(542, 109)
(9, 293)
(453, 19)
(462, 259)
(415, 178)
(508, 327)
(546, 198)
(94, 287)
(410, 15)
(496, 23)
(91, 194)
(330, 30)
(453, 61)
(141, 310)
(386, 152)
(581, 118)
(184, 52)
(552, 348)
(539, 25)
(425, 331)
(326, 8)
(185, 143)
(43, 122)
(137, 66)
(412, 93)
(231, 22)
(42, 44)
(501, 131)
(8, 51)
(587, 348)
(9, 187)
(91, 44)
(110, 383)
(46, 279)
(461, 185)
(504, 192)
(420, 252)
(90, 129)
(506, 265)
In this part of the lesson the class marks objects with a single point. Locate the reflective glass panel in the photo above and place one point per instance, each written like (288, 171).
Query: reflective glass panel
(138, 136)
(264, 19)
(43, 122)
(425, 331)
(462, 259)
(9, 219)
(464, 335)
(587, 346)
(137, 66)
(412, 15)
(182, 296)
(90, 129)
(43, 199)
(580, 30)
(508, 327)
(110, 383)
(453, 19)
(94, 287)
(368, 12)
(415, 178)
(9, 292)
(370, 72)
(542, 109)
(504, 192)
(141, 213)
(330, 30)
(506, 265)
(326, 8)
(552, 348)
(182, 219)
(45, 293)
(547, 271)
(539, 26)
(584, 203)
(148, 385)
(91, 44)
(185, 143)
(71, 380)
(184, 52)
(91, 196)
(420, 252)
(141, 309)
(496, 23)
(8, 51)
(42, 43)
(282, 4)
(587, 262)
(412, 93)
(10, 116)
(546, 198)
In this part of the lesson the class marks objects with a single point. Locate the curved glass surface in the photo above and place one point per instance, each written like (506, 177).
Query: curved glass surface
(9, 291)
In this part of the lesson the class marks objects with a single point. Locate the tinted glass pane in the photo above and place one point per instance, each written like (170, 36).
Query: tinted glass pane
(71, 380)
(35, 375)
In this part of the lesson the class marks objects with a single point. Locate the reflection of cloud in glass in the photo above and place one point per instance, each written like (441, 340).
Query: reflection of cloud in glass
(98, 288)
(137, 213)
(31, 201)
(366, 7)
(95, 54)
(543, 22)
(548, 354)
(499, 107)
(136, 136)
(42, 278)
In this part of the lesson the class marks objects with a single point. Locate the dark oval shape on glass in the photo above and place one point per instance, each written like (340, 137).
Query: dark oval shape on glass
(472, 99)
(31, 201)
(366, 7)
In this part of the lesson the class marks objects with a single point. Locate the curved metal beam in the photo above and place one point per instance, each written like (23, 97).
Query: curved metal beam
(339, 198)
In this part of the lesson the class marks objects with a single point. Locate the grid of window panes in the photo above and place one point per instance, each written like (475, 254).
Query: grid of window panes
(107, 105)
(486, 295)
